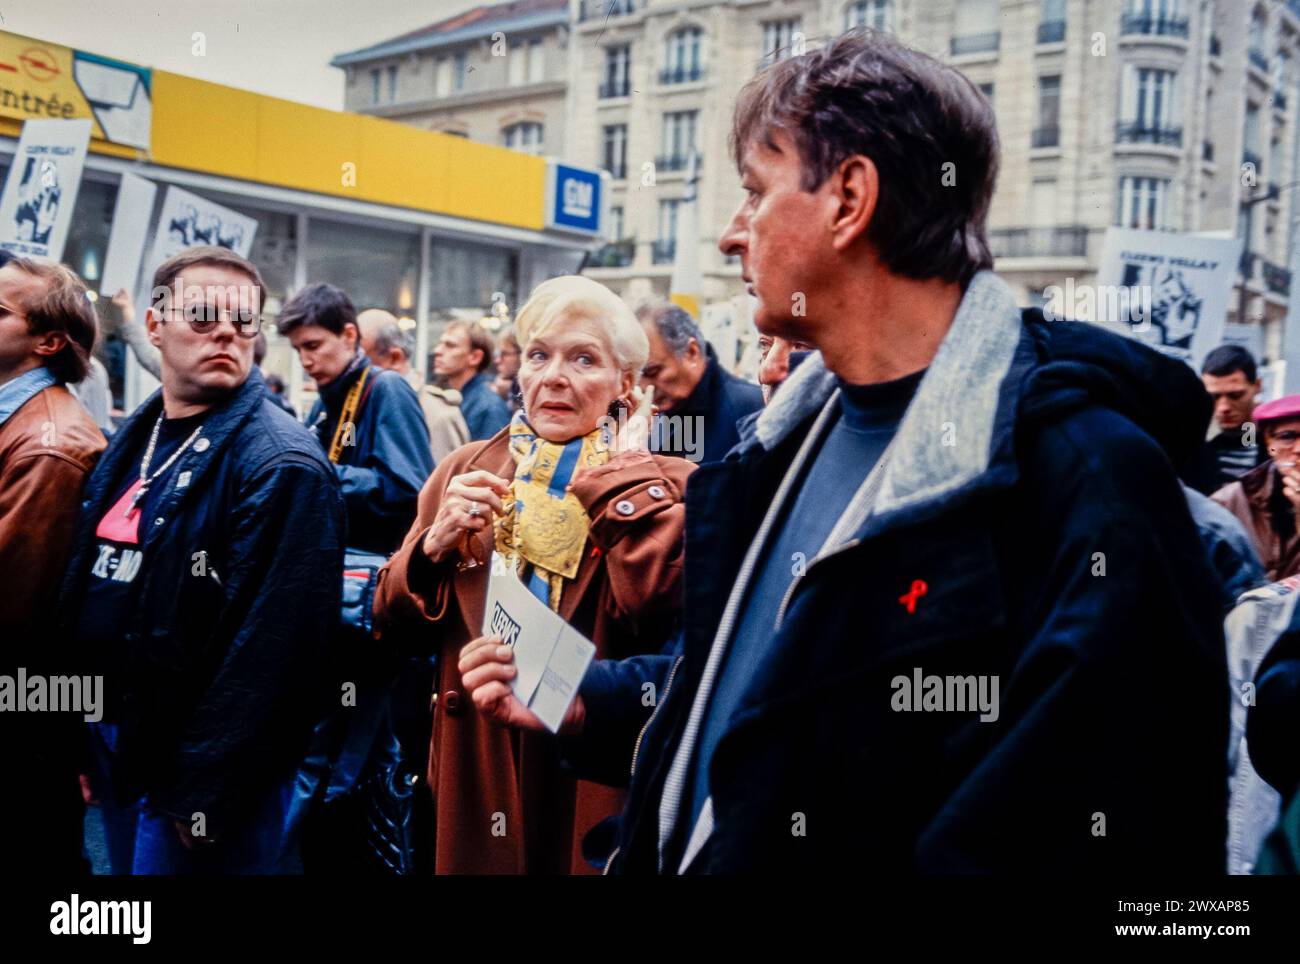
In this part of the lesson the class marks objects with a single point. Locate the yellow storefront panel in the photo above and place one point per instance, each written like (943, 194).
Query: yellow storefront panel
(207, 127)
(204, 127)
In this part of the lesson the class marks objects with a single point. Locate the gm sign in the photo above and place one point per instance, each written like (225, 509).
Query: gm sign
(574, 198)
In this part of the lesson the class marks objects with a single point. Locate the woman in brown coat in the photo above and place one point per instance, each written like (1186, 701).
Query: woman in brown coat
(591, 521)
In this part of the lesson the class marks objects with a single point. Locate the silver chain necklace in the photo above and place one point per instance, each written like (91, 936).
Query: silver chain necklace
(145, 479)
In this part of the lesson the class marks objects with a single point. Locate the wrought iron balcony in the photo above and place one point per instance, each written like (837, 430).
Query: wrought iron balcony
(976, 43)
(616, 254)
(1132, 132)
(1154, 26)
(1277, 279)
(1051, 31)
(600, 9)
(672, 162)
(683, 74)
(1065, 241)
(1046, 136)
(663, 252)
(611, 88)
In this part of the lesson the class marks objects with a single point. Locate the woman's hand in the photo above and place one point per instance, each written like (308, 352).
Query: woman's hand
(1290, 473)
(464, 511)
(634, 434)
(487, 668)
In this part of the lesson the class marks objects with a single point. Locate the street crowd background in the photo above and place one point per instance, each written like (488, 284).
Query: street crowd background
(936, 546)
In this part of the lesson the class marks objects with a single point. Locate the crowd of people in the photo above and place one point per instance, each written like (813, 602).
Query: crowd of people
(945, 593)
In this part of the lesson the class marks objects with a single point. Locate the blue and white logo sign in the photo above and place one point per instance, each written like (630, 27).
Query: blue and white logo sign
(574, 198)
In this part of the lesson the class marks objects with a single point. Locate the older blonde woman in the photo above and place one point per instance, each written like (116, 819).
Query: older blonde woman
(595, 523)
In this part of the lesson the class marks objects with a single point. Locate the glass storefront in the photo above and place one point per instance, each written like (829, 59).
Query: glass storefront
(378, 268)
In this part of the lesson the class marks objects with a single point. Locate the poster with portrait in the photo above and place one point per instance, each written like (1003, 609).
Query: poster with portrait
(188, 220)
(41, 190)
(1167, 289)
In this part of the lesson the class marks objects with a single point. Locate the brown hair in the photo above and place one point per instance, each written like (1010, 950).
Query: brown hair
(204, 254)
(64, 307)
(479, 337)
(929, 131)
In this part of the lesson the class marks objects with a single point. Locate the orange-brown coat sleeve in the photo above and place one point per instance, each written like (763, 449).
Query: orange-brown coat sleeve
(638, 518)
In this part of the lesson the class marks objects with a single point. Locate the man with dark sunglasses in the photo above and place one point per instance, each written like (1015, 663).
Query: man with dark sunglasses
(203, 586)
(1267, 498)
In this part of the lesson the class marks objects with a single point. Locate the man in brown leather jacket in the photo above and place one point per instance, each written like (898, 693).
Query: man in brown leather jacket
(48, 445)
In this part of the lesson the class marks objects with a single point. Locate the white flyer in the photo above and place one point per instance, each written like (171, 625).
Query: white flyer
(550, 655)
(36, 207)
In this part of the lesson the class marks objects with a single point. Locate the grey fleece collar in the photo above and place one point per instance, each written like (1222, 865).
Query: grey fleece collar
(945, 438)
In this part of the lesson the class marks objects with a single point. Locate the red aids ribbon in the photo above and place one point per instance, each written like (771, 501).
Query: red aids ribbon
(909, 598)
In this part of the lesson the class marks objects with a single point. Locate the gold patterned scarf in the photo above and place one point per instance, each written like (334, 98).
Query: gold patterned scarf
(544, 526)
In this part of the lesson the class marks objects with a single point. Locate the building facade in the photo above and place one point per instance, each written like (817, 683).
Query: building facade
(1163, 114)
(495, 74)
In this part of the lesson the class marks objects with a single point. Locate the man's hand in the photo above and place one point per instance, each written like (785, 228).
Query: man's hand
(487, 667)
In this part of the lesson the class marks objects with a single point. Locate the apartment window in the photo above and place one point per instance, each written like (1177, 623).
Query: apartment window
(1273, 172)
(682, 57)
(616, 223)
(1048, 132)
(525, 136)
(615, 83)
(442, 77)
(976, 27)
(1051, 26)
(392, 83)
(1042, 198)
(616, 150)
(778, 39)
(374, 86)
(536, 62)
(516, 66)
(1281, 77)
(1143, 202)
(1258, 27)
(1155, 17)
(678, 140)
(458, 72)
(665, 247)
(876, 14)
(1251, 137)
(1150, 107)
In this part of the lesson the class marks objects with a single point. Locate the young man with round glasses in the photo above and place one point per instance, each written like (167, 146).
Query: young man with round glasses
(203, 584)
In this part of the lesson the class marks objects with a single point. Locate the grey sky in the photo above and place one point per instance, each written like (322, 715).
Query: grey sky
(279, 47)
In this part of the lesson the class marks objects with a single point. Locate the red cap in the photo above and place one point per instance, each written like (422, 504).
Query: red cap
(1288, 406)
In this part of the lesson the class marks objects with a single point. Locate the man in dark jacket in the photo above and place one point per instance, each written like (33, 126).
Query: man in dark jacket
(699, 401)
(367, 419)
(204, 583)
(461, 361)
(920, 597)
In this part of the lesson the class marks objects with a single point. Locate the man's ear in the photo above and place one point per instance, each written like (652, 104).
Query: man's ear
(855, 185)
(351, 334)
(153, 325)
(694, 352)
(51, 343)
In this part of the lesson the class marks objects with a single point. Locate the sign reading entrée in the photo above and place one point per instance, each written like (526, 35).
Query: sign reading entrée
(45, 81)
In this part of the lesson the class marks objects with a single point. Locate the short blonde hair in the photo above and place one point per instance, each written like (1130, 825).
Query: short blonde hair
(574, 295)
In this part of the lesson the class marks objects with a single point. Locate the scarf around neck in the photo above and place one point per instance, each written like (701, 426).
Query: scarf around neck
(544, 526)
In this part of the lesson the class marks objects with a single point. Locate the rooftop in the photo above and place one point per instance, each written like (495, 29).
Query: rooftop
(474, 24)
